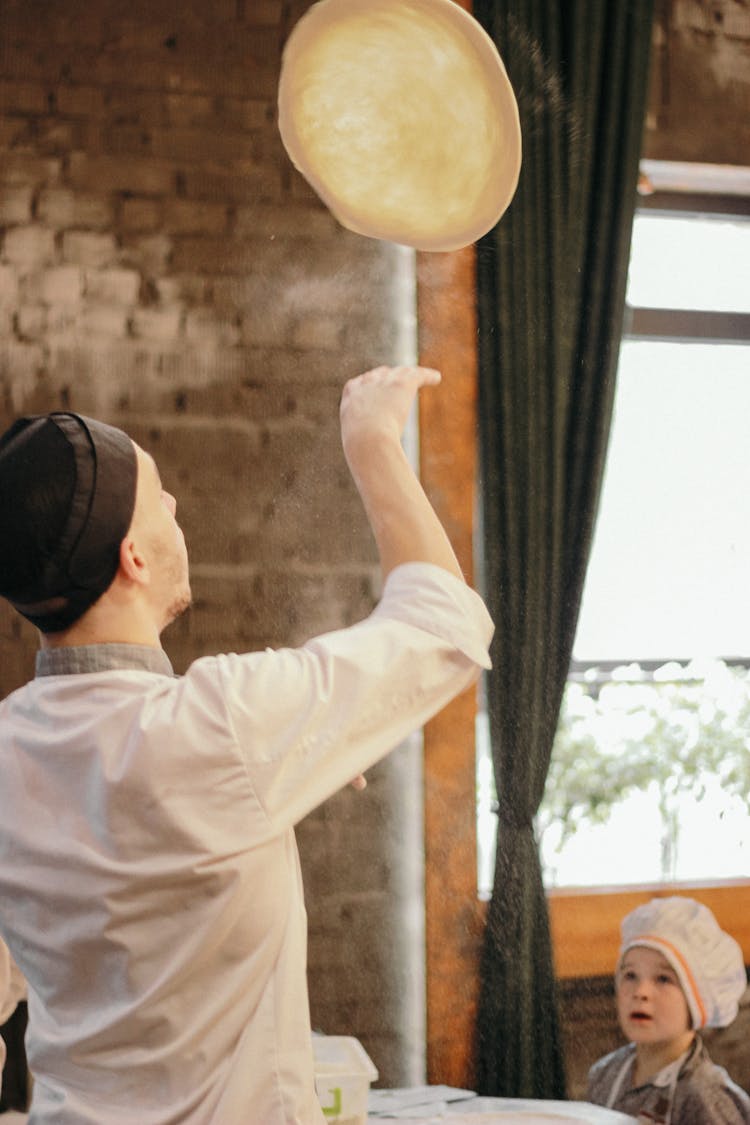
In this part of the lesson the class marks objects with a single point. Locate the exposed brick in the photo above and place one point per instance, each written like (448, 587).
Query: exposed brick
(62, 25)
(89, 248)
(12, 130)
(105, 320)
(126, 106)
(112, 286)
(275, 220)
(185, 110)
(79, 101)
(143, 11)
(245, 113)
(190, 289)
(62, 320)
(24, 97)
(230, 382)
(243, 185)
(266, 325)
(316, 332)
(28, 168)
(114, 68)
(16, 655)
(189, 216)
(127, 140)
(8, 285)
(199, 146)
(262, 12)
(300, 188)
(29, 246)
(215, 256)
(15, 203)
(27, 63)
(108, 173)
(62, 285)
(54, 136)
(151, 254)
(202, 326)
(196, 69)
(19, 365)
(310, 366)
(140, 214)
(201, 367)
(157, 324)
(61, 207)
(31, 322)
(98, 372)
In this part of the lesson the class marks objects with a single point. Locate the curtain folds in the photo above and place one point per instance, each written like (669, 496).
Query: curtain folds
(551, 285)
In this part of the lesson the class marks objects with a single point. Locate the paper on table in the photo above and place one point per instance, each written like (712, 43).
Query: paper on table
(414, 1100)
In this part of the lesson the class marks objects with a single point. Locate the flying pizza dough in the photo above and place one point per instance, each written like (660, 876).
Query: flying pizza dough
(400, 115)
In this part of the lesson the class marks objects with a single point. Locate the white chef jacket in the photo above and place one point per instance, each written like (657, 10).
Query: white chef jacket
(150, 885)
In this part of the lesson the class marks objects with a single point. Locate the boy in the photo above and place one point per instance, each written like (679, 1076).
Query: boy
(677, 971)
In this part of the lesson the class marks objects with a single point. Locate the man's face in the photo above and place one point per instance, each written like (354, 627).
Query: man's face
(160, 537)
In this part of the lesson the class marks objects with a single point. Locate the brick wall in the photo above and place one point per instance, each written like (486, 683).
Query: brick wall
(163, 267)
(699, 108)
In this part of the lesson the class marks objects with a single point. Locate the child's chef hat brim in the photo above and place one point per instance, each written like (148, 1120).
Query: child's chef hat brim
(708, 962)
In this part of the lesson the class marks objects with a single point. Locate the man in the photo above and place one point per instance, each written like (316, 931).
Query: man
(149, 877)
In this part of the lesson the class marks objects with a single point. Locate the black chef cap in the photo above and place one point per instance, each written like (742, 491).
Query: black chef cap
(67, 494)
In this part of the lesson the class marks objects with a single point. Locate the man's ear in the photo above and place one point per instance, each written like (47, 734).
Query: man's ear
(133, 565)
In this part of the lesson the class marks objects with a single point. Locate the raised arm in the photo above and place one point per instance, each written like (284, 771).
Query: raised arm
(374, 410)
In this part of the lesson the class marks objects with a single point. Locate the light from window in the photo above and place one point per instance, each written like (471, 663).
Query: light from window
(682, 262)
(669, 571)
(652, 754)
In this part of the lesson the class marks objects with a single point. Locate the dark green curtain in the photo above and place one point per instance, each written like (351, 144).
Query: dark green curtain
(551, 286)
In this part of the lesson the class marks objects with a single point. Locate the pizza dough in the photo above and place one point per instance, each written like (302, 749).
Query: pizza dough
(400, 115)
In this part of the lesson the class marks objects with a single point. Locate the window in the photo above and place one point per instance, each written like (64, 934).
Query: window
(658, 702)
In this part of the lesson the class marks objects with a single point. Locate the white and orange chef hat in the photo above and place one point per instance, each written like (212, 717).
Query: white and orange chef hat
(707, 960)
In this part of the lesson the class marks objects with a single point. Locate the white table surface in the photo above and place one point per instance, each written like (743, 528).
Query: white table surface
(481, 1111)
(505, 1111)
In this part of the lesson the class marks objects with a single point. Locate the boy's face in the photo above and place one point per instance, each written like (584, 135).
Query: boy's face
(651, 1005)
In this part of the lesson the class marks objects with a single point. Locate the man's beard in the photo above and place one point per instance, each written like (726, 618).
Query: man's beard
(178, 606)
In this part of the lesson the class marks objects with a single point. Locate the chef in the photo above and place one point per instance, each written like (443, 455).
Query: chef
(149, 876)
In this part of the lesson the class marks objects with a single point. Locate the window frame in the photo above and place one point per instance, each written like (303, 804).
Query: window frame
(585, 921)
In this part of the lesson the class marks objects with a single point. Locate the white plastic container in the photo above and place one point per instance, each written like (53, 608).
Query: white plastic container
(343, 1073)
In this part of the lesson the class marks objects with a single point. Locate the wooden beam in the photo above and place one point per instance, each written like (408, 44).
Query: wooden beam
(586, 923)
(446, 318)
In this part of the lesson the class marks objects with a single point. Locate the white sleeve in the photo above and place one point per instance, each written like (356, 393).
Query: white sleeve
(308, 720)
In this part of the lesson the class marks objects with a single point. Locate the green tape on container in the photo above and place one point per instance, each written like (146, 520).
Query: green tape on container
(335, 1109)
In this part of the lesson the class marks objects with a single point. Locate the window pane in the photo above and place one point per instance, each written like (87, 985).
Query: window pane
(689, 263)
(668, 575)
(667, 752)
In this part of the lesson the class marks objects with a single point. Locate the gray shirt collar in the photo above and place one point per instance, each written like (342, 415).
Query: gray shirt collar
(74, 659)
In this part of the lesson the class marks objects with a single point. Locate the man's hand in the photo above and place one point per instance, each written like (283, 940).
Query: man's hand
(374, 410)
(375, 406)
